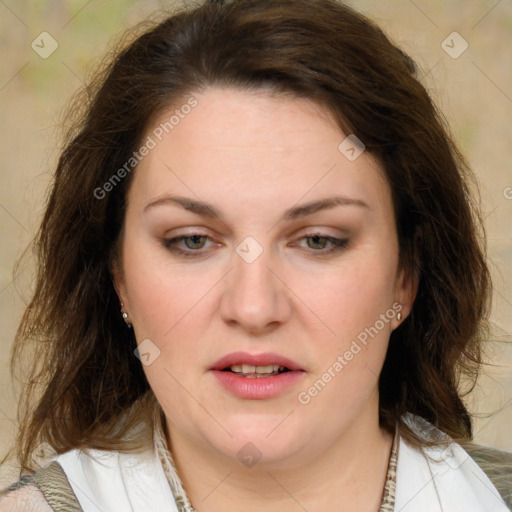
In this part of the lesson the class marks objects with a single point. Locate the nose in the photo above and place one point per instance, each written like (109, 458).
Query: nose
(254, 298)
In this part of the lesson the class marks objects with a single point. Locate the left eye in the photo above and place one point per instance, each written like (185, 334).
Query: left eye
(194, 241)
(323, 244)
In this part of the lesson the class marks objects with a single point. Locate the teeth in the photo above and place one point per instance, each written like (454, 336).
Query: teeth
(266, 369)
(249, 369)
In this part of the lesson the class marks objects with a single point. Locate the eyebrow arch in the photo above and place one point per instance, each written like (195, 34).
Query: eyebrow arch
(208, 210)
(321, 204)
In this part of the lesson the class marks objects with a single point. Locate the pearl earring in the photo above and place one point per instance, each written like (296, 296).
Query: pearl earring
(125, 316)
(399, 316)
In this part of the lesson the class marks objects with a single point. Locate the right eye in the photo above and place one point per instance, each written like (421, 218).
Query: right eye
(187, 245)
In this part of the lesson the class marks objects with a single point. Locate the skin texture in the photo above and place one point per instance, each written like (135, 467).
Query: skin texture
(252, 156)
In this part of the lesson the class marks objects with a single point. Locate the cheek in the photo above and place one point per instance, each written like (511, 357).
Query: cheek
(173, 308)
(352, 302)
(170, 308)
(160, 295)
(350, 354)
(351, 297)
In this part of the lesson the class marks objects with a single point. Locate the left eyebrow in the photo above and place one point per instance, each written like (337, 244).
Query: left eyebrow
(322, 204)
(303, 210)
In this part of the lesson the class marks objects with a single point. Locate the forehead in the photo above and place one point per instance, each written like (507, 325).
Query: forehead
(254, 146)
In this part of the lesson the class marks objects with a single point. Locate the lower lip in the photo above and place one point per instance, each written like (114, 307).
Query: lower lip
(258, 388)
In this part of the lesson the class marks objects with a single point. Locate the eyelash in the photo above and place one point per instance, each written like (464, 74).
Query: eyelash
(337, 244)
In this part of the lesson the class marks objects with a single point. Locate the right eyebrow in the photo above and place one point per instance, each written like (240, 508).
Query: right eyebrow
(189, 204)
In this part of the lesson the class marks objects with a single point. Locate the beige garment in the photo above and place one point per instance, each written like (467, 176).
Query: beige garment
(46, 490)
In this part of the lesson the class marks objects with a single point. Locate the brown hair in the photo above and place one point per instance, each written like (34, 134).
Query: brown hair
(316, 49)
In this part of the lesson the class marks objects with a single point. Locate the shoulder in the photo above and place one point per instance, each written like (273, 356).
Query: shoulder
(23, 496)
(45, 489)
(441, 475)
(497, 465)
(117, 481)
(26, 499)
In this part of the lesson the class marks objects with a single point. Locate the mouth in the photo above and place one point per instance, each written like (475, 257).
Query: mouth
(256, 376)
(247, 365)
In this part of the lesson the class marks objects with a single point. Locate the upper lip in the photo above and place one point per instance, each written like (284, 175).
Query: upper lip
(263, 359)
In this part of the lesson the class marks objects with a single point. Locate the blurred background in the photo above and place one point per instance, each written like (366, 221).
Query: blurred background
(464, 50)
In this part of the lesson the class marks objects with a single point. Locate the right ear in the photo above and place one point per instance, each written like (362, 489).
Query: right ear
(117, 274)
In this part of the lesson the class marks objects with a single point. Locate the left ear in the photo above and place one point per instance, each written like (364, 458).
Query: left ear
(406, 290)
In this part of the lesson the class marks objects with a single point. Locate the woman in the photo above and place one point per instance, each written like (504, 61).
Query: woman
(260, 277)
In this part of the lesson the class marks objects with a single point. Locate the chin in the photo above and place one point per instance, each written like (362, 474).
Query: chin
(259, 442)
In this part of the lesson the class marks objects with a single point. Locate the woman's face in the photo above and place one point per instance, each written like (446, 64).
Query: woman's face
(260, 270)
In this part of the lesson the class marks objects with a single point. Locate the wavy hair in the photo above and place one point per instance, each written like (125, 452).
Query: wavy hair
(85, 377)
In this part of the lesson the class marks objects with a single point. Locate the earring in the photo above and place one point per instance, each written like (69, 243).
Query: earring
(399, 316)
(125, 316)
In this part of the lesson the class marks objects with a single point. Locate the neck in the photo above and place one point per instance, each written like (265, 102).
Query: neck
(348, 476)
